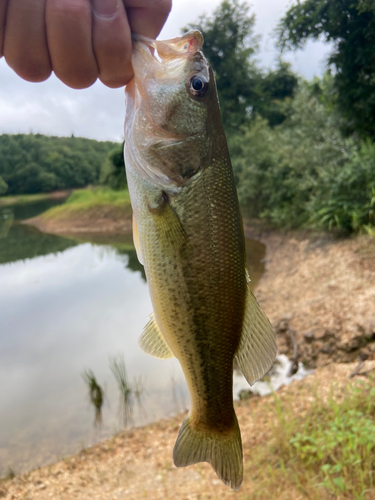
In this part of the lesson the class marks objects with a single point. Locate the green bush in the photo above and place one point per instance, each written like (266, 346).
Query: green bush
(113, 170)
(3, 186)
(304, 172)
(332, 445)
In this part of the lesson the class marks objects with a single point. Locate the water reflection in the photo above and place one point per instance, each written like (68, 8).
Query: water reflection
(61, 314)
(69, 305)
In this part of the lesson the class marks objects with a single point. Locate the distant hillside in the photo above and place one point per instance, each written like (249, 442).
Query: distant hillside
(38, 163)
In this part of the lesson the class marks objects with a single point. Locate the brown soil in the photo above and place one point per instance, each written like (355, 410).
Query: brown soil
(137, 463)
(102, 219)
(320, 290)
(53, 195)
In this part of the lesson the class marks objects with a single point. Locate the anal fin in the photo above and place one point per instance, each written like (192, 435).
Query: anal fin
(152, 341)
(257, 349)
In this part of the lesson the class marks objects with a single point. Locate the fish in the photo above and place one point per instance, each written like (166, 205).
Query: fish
(188, 234)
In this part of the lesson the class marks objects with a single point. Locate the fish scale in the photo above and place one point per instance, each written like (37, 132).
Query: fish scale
(189, 236)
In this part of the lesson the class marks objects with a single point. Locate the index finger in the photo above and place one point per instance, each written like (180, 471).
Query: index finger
(3, 10)
(147, 17)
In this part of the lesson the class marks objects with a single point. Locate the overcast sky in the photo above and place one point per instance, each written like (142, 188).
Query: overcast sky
(98, 112)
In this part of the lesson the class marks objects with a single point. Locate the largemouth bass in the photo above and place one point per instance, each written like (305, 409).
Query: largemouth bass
(188, 234)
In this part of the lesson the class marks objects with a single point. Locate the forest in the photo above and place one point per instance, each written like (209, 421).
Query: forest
(36, 163)
(302, 151)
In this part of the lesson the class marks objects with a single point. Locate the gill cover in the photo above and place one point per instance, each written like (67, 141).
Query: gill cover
(167, 106)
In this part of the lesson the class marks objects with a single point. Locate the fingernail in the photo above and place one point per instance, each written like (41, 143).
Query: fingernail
(105, 7)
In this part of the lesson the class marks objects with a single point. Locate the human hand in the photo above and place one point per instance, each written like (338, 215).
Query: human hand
(79, 40)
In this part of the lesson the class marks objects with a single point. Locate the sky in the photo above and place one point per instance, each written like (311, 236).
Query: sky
(52, 108)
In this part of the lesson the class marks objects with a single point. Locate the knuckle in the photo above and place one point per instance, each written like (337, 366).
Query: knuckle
(116, 76)
(75, 80)
(31, 71)
(115, 82)
(69, 8)
(164, 6)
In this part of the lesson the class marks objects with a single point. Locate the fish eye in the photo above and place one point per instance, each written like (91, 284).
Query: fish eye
(198, 86)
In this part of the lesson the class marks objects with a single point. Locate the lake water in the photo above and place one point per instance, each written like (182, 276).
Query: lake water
(67, 305)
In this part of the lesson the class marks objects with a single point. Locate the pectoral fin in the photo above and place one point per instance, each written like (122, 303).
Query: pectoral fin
(136, 241)
(152, 341)
(257, 349)
(172, 234)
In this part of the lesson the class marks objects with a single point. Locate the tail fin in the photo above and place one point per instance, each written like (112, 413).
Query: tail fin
(222, 450)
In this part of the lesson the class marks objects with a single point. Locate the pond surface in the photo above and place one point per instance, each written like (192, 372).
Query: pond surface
(67, 305)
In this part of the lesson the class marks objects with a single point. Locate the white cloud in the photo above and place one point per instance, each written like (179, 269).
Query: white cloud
(98, 112)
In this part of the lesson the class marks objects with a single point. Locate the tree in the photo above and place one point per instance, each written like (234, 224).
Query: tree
(3, 186)
(272, 90)
(36, 163)
(350, 24)
(113, 169)
(229, 44)
(244, 89)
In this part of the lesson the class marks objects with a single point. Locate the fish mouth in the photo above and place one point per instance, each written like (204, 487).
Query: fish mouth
(166, 50)
(163, 58)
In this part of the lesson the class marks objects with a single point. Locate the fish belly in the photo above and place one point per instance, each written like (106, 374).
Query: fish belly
(197, 283)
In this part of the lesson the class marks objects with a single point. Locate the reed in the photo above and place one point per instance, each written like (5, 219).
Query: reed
(95, 395)
(126, 401)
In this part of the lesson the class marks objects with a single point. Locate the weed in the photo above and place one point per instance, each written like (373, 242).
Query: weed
(95, 395)
(86, 199)
(332, 446)
(10, 474)
(118, 368)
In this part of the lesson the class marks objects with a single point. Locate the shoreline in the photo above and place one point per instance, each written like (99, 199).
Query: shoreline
(137, 462)
(307, 290)
(32, 198)
(107, 219)
(317, 289)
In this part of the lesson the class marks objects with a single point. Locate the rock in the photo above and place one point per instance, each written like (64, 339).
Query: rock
(309, 336)
(327, 348)
(246, 394)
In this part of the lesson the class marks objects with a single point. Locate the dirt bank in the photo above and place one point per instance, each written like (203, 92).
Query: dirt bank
(137, 463)
(100, 219)
(31, 198)
(317, 289)
(320, 290)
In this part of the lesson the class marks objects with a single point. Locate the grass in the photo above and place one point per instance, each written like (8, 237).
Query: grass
(98, 196)
(23, 198)
(95, 394)
(324, 451)
(126, 401)
(130, 392)
(83, 200)
(10, 474)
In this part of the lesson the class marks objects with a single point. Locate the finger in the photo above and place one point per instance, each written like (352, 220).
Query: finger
(25, 43)
(69, 41)
(149, 18)
(3, 10)
(112, 42)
